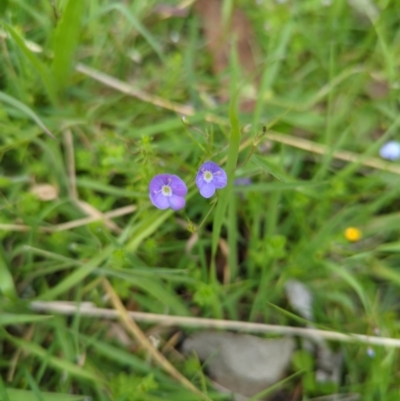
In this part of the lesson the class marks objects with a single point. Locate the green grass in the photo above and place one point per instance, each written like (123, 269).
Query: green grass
(326, 73)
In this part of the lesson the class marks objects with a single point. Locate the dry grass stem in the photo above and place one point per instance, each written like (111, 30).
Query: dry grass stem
(313, 147)
(134, 329)
(188, 110)
(94, 213)
(131, 91)
(60, 307)
(183, 110)
(71, 224)
(72, 190)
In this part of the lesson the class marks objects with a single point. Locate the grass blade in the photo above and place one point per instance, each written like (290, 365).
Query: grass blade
(146, 228)
(269, 168)
(153, 287)
(25, 110)
(78, 275)
(7, 287)
(271, 72)
(57, 363)
(351, 281)
(24, 395)
(38, 65)
(33, 385)
(3, 391)
(66, 40)
(233, 154)
(136, 25)
(11, 318)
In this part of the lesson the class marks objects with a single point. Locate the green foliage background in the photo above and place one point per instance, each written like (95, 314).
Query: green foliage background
(329, 73)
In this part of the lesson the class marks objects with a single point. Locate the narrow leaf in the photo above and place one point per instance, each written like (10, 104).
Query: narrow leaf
(268, 167)
(78, 275)
(66, 40)
(351, 281)
(136, 25)
(3, 391)
(7, 287)
(33, 385)
(153, 287)
(25, 110)
(59, 364)
(226, 193)
(24, 395)
(41, 68)
(11, 318)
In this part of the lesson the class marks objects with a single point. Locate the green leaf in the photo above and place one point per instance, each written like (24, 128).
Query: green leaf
(7, 287)
(41, 68)
(282, 186)
(351, 281)
(11, 318)
(226, 193)
(269, 168)
(25, 110)
(146, 228)
(136, 25)
(303, 360)
(3, 391)
(107, 189)
(33, 385)
(24, 395)
(66, 40)
(389, 247)
(153, 287)
(269, 390)
(3, 7)
(59, 364)
(78, 275)
(271, 71)
(386, 273)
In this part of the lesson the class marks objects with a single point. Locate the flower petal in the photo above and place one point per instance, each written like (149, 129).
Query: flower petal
(390, 150)
(159, 200)
(210, 166)
(176, 202)
(207, 190)
(220, 179)
(158, 181)
(178, 186)
(200, 180)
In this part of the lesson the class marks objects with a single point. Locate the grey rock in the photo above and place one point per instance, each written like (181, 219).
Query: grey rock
(300, 298)
(243, 364)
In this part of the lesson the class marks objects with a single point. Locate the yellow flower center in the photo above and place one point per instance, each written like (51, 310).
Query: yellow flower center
(208, 176)
(352, 234)
(166, 190)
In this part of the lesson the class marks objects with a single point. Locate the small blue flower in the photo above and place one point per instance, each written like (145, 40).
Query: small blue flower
(370, 352)
(390, 150)
(167, 190)
(210, 177)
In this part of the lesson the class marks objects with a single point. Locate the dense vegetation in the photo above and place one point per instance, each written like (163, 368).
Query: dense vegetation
(98, 97)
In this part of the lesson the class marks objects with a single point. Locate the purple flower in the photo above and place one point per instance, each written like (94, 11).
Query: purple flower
(167, 190)
(209, 177)
(242, 181)
(390, 150)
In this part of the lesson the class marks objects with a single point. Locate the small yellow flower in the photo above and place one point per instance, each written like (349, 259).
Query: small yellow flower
(352, 234)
